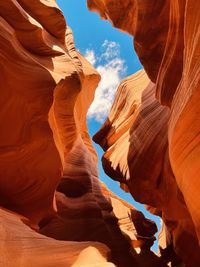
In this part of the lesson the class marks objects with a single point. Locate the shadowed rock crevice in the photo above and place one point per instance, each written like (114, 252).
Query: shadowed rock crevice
(72, 188)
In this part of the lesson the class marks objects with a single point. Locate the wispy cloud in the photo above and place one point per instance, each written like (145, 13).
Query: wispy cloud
(112, 68)
(90, 56)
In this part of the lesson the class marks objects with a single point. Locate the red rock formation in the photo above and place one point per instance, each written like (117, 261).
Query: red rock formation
(133, 136)
(86, 213)
(148, 147)
(27, 84)
(46, 90)
(184, 127)
(22, 246)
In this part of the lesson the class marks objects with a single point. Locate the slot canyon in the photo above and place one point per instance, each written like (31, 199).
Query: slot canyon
(54, 209)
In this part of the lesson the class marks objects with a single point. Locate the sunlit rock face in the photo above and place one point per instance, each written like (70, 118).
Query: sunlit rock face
(50, 194)
(152, 138)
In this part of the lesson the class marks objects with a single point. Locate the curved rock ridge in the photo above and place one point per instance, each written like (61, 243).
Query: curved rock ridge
(49, 181)
(154, 151)
(136, 127)
(86, 210)
(136, 155)
(22, 246)
(32, 84)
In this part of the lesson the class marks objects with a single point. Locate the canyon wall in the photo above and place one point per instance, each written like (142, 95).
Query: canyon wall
(151, 137)
(54, 210)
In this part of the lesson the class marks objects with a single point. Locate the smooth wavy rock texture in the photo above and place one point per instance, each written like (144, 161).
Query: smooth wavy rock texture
(55, 211)
(22, 246)
(152, 135)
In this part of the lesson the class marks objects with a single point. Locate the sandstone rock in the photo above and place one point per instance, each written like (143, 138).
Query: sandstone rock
(136, 155)
(36, 88)
(85, 212)
(22, 246)
(139, 134)
(184, 126)
(154, 151)
(46, 89)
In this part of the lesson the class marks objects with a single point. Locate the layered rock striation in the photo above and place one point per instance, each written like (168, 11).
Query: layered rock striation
(151, 136)
(54, 210)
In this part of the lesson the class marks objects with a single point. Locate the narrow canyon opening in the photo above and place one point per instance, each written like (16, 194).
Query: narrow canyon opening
(99, 114)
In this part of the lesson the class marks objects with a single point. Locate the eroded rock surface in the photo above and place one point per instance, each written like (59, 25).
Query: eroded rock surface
(46, 89)
(152, 135)
(22, 246)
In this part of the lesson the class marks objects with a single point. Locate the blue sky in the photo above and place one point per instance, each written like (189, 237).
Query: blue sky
(112, 54)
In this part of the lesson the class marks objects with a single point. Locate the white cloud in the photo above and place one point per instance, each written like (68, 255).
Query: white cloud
(111, 68)
(90, 56)
(111, 50)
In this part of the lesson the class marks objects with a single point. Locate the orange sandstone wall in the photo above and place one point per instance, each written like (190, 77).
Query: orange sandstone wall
(152, 135)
